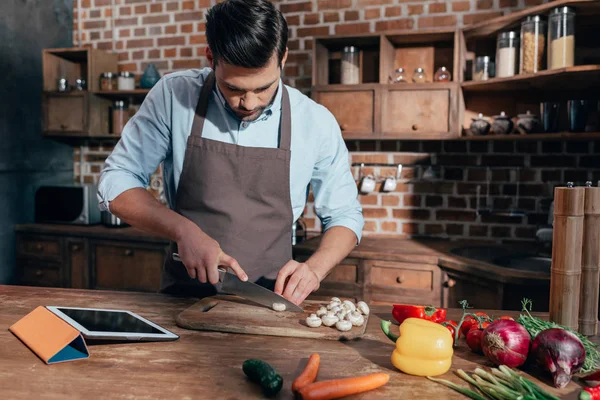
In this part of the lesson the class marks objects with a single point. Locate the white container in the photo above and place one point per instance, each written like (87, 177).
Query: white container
(126, 81)
(350, 66)
(507, 51)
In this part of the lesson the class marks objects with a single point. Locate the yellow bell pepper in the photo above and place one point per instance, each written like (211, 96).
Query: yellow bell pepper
(424, 348)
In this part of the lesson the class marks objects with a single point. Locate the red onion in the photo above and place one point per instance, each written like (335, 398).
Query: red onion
(506, 342)
(559, 352)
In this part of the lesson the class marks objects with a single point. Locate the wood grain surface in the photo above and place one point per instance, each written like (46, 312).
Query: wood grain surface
(237, 315)
(201, 365)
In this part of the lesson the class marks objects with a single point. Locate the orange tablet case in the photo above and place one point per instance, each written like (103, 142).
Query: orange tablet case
(48, 336)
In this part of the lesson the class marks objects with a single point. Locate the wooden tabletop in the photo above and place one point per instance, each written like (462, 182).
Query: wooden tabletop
(127, 233)
(200, 365)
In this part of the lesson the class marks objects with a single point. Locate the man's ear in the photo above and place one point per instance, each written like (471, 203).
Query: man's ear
(284, 59)
(209, 56)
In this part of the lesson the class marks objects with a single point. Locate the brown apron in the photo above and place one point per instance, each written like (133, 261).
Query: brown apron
(239, 196)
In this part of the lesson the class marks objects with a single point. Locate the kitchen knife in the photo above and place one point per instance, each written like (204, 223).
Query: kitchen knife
(231, 284)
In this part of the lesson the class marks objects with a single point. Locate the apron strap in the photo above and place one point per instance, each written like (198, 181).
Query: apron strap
(286, 121)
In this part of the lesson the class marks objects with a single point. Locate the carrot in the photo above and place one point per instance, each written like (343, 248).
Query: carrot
(309, 374)
(336, 388)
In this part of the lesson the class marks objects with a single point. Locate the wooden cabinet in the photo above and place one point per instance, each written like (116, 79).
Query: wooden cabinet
(94, 260)
(354, 110)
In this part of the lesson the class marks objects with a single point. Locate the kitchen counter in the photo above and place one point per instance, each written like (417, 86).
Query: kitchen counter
(92, 231)
(439, 252)
(200, 365)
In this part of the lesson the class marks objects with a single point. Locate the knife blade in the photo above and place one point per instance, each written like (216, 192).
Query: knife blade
(231, 284)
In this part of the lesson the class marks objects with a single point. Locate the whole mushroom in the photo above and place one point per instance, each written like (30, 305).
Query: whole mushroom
(313, 321)
(356, 318)
(333, 304)
(335, 299)
(343, 325)
(322, 311)
(363, 307)
(348, 305)
(336, 309)
(329, 320)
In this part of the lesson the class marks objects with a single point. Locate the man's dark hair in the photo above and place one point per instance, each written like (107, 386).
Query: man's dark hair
(246, 33)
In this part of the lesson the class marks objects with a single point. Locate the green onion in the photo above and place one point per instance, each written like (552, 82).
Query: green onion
(535, 325)
(467, 392)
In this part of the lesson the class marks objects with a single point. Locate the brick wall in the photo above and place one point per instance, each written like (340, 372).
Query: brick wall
(170, 34)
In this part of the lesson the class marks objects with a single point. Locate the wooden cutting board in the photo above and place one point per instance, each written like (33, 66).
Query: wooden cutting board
(237, 315)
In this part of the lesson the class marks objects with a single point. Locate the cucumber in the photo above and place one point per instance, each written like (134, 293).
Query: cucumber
(265, 375)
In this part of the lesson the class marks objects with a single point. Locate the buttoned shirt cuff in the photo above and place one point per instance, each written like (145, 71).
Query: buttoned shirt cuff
(355, 225)
(112, 184)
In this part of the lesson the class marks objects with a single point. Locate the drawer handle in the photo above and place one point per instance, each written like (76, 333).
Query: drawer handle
(63, 127)
(399, 279)
(343, 127)
(39, 247)
(450, 283)
(39, 272)
(75, 247)
(128, 252)
(415, 127)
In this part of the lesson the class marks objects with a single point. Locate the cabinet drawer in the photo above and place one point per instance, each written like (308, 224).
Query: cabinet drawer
(34, 273)
(406, 276)
(353, 110)
(65, 113)
(343, 273)
(415, 111)
(38, 247)
(128, 268)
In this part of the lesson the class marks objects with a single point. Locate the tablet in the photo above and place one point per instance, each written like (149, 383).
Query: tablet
(98, 323)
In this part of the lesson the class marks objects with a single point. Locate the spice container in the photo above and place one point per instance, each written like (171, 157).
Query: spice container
(119, 116)
(442, 75)
(484, 68)
(62, 85)
(561, 38)
(533, 44)
(350, 66)
(507, 49)
(419, 75)
(108, 81)
(399, 76)
(126, 81)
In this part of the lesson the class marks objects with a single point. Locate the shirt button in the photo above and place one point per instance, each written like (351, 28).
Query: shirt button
(244, 125)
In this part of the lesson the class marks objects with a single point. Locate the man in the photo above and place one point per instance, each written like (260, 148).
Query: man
(240, 150)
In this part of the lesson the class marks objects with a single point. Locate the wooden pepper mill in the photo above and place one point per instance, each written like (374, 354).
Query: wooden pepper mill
(567, 237)
(590, 267)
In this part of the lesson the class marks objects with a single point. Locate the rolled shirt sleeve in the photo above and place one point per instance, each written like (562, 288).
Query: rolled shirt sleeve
(336, 195)
(144, 143)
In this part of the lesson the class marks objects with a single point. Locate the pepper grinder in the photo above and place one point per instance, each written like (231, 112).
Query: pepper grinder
(590, 268)
(567, 238)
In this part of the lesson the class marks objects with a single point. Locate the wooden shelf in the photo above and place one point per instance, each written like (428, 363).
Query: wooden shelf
(386, 86)
(72, 93)
(492, 27)
(571, 78)
(120, 94)
(538, 136)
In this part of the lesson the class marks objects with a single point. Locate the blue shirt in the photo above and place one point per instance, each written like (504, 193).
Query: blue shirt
(158, 132)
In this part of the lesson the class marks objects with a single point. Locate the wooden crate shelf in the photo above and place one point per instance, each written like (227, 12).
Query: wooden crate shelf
(539, 136)
(122, 94)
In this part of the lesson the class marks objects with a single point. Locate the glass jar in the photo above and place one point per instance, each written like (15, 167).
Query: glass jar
(119, 116)
(507, 50)
(126, 81)
(399, 76)
(442, 75)
(108, 81)
(484, 68)
(419, 76)
(533, 44)
(561, 38)
(350, 66)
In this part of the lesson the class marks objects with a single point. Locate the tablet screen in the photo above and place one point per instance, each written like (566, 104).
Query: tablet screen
(108, 321)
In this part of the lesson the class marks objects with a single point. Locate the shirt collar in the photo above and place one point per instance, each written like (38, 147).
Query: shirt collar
(267, 112)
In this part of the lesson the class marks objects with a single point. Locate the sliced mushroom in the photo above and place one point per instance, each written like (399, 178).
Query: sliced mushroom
(343, 325)
(363, 307)
(313, 321)
(348, 305)
(329, 320)
(278, 306)
(322, 311)
(356, 318)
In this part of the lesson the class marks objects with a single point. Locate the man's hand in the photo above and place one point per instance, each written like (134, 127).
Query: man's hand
(201, 255)
(295, 281)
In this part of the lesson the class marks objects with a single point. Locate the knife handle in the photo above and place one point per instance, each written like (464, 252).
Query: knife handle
(222, 272)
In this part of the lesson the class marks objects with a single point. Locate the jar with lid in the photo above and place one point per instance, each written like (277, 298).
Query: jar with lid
(126, 80)
(119, 116)
(484, 68)
(533, 44)
(399, 76)
(507, 51)
(419, 76)
(561, 38)
(108, 81)
(350, 66)
(442, 75)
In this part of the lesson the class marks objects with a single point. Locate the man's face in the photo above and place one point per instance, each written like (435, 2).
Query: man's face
(247, 91)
